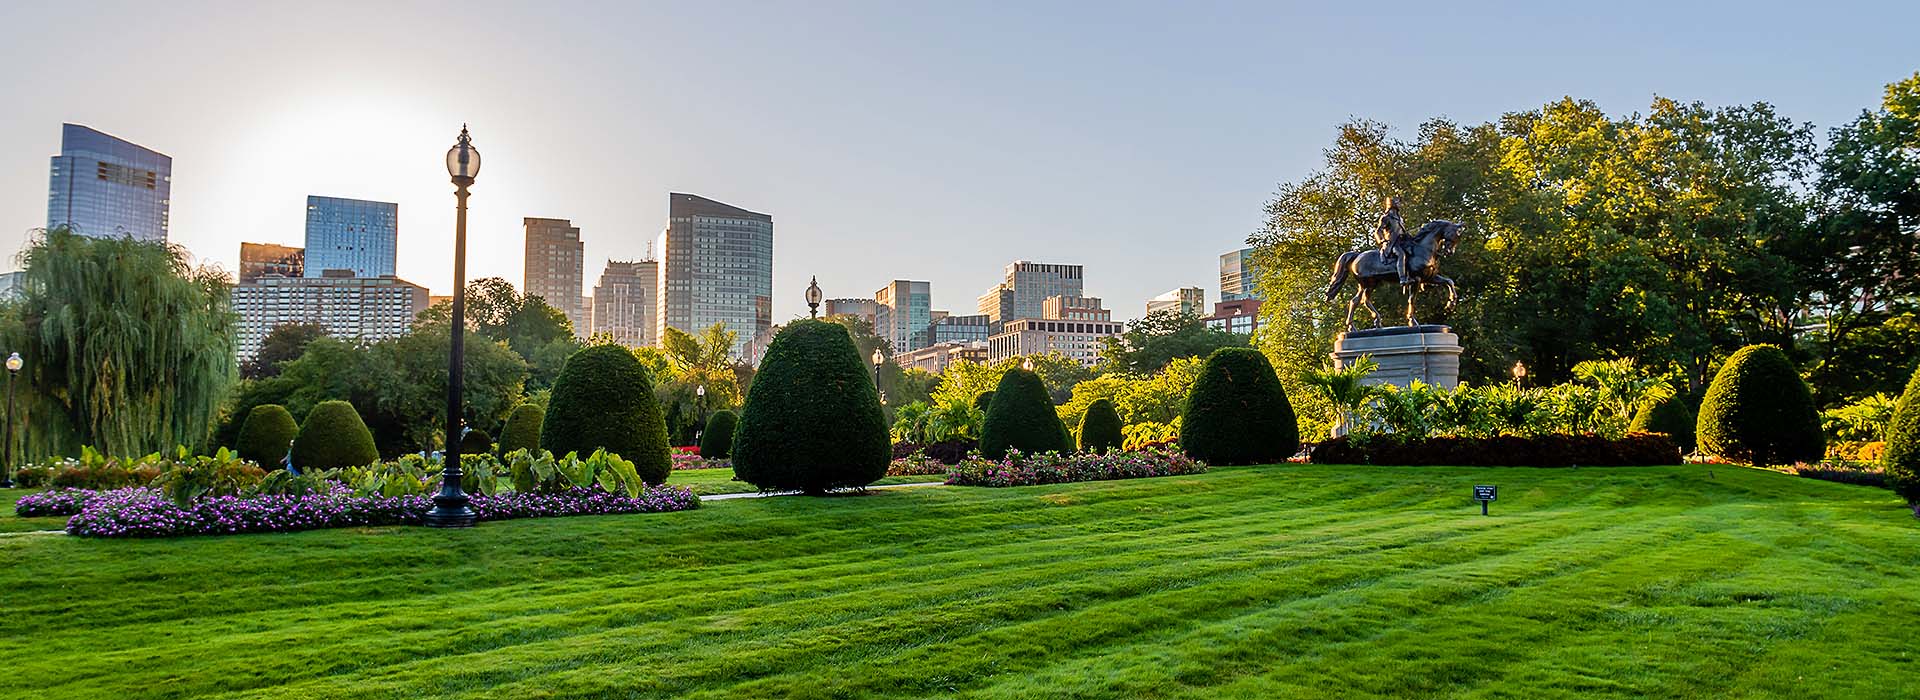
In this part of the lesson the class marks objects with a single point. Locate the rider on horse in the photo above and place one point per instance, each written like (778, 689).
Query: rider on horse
(1392, 236)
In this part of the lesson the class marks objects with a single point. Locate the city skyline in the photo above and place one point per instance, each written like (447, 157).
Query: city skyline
(1059, 155)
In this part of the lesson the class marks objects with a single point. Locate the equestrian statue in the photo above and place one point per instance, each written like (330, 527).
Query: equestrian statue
(1413, 261)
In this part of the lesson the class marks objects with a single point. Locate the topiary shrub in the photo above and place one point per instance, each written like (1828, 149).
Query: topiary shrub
(1671, 418)
(1238, 413)
(982, 400)
(522, 431)
(716, 441)
(1759, 411)
(333, 437)
(603, 399)
(1021, 416)
(1901, 460)
(266, 435)
(476, 442)
(1100, 428)
(812, 420)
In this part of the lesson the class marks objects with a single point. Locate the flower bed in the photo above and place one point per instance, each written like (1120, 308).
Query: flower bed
(142, 512)
(1054, 468)
(50, 503)
(1634, 450)
(916, 464)
(693, 460)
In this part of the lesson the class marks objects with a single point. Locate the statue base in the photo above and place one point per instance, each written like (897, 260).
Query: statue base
(1428, 353)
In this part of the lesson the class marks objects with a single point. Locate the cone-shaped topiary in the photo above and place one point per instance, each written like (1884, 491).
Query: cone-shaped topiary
(476, 442)
(1021, 416)
(603, 399)
(266, 435)
(716, 441)
(1100, 427)
(333, 437)
(1238, 413)
(1759, 411)
(522, 431)
(1902, 457)
(1671, 417)
(812, 420)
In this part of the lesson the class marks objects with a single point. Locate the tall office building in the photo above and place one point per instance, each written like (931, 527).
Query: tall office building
(1237, 276)
(259, 260)
(716, 266)
(104, 187)
(959, 329)
(860, 308)
(901, 312)
(623, 304)
(1186, 301)
(1027, 286)
(364, 308)
(351, 234)
(553, 267)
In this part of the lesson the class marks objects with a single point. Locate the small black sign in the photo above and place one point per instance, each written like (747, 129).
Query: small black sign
(1485, 493)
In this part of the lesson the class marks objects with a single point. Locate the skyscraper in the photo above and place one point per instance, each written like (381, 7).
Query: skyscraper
(1186, 301)
(104, 187)
(902, 311)
(351, 234)
(1237, 275)
(553, 267)
(363, 308)
(1026, 288)
(258, 260)
(716, 266)
(623, 305)
(859, 308)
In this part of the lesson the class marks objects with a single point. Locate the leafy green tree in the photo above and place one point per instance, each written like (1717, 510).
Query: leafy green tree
(128, 347)
(1162, 337)
(603, 399)
(1158, 398)
(1238, 413)
(283, 344)
(1021, 417)
(535, 330)
(813, 421)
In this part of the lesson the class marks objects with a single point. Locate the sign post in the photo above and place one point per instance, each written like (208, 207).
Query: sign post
(1485, 494)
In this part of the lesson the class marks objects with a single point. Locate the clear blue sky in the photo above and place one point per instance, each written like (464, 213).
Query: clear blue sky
(913, 140)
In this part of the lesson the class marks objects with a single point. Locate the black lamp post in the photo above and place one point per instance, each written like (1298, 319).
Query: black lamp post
(813, 298)
(878, 359)
(6, 470)
(700, 392)
(450, 507)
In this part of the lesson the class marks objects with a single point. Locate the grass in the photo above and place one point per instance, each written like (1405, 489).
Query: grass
(1261, 582)
(10, 523)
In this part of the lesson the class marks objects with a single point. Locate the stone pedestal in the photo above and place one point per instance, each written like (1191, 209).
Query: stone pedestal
(1429, 353)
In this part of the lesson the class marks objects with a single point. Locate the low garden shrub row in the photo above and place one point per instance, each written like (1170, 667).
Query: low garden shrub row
(944, 452)
(1588, 450)
(1017, 469)
(916, 464)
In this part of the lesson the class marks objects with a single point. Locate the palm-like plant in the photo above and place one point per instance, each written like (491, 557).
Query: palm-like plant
(1622, 387)
(1345, 388)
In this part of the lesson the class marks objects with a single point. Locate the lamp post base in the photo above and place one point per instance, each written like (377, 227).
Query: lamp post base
(451, 512)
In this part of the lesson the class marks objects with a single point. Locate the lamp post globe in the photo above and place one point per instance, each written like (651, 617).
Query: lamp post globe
(1027, 364)
(813, 298)
(14, 363)
(450, 505)
(1519, 372)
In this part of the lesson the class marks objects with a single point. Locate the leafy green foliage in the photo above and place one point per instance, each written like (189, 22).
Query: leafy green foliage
(1671, 417)
(1902, 457)
(223, 473)
(716, 441)
(522, 431)
(955, 419)
(1100, 428)
(1866, 420)
(812, 420)
(1021, 416)
(604, 400)
(1238, 413)
(476, 442)
(1156, 398)
(1345, 390)
(542, 472)
(284, 343)
(1757, 410)
(333, 437)
(534, 329)
(266, 435)
(1162, 337)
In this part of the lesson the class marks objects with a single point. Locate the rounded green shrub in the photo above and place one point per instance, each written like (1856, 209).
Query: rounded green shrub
(476, 442)
(522, 431)
(1759, 411)
(812, 420)
(1901, 460)
(982, 400)
(266, 435)
(1238, 413)
(603, 399)
(1021, 416)
(333, 437)
(716, 441)
(1671, 418)
(1100, 428)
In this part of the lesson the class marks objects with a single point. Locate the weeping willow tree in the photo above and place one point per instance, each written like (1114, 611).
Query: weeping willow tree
(127, 346)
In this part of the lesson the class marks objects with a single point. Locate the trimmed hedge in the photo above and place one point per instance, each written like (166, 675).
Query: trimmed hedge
(333, 437)
(1020, 416)
(266, 435)
(603, 400)
(812, 420)
(949, 452)
(1671, 417)
(1634, 450)
(1100, 427)
(1238, 413)
(522, 431)
(1759, 411)
(1901, 460)
(476, 442)
(716, 441)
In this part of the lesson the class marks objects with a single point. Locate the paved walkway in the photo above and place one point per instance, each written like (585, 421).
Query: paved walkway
(33, 532)
(756, 494)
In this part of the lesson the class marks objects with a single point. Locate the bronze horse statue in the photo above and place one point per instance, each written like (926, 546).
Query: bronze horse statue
(1371, 269)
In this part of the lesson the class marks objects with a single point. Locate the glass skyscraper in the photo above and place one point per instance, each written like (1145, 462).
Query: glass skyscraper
(351, 234)
(716, 266)
(1237, 276)
(104, 187)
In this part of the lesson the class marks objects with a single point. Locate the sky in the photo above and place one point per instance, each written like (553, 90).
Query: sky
(890, 140)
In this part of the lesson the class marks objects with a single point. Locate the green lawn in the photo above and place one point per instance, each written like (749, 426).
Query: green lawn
(1264, 582)
(9, 523)
(711, 482)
